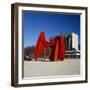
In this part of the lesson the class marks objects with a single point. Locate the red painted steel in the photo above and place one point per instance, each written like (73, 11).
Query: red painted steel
(56, 44)
(62, 48)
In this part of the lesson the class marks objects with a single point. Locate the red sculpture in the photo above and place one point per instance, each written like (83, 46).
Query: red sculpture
(57, 47)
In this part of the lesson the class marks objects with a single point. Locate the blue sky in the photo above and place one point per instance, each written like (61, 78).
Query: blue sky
(52, 24)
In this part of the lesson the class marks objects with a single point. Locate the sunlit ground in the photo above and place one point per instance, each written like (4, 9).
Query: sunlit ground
(41, 68)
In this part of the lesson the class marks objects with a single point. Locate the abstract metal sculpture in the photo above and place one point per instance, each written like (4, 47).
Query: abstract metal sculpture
(57, 47)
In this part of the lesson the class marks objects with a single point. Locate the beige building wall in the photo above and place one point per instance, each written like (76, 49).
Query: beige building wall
(75, 41)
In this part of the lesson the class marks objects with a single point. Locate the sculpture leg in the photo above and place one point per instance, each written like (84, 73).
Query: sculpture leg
(56, 51)
(44, 54)
(62, 48)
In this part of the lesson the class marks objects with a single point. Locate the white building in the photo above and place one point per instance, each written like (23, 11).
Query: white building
(75, 41)
(72, 41)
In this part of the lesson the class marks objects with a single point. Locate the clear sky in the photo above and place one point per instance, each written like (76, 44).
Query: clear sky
(52, 24)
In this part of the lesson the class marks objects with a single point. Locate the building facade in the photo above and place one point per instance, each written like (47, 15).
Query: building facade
(72, 50)
(71, 42)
